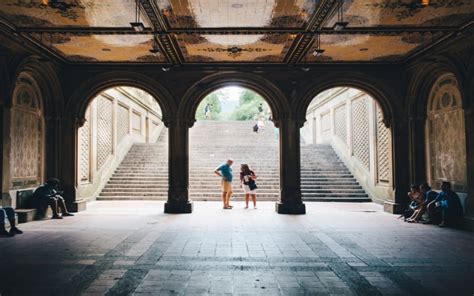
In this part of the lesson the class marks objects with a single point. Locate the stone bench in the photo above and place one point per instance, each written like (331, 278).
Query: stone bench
(25, 207)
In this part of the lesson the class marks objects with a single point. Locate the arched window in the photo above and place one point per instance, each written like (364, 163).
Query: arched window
(446, 142)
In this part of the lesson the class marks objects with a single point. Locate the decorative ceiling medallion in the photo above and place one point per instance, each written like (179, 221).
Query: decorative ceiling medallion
(234, 51)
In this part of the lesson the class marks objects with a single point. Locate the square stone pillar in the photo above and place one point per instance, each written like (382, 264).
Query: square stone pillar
(178, 168)
(290, 169)
(400, 165)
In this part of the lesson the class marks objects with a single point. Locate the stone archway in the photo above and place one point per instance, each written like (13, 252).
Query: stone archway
(390, 116)
(445, 134)
(290, 193)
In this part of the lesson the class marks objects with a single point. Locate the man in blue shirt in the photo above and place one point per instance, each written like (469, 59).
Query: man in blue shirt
(447, 204)
(225, 171)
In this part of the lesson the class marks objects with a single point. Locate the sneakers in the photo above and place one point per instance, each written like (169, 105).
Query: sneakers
(68, 215)
(15, 230)
(56, 217)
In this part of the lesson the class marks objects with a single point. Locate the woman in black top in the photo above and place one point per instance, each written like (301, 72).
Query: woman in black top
(247, 181)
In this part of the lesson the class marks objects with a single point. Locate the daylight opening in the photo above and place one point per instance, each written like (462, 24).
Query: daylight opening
(233, 122)
(122, 147)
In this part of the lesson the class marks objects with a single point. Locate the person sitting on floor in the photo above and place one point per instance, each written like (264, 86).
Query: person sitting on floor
(8, 212)
(48, 195)
(428, 196)
(448, 204)
(416, 199)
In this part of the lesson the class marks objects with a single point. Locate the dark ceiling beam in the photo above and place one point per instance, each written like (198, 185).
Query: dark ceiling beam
(167, 44)
(303, 43)
(379, 30)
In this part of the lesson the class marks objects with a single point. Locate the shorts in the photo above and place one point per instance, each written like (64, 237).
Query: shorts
(247, 190)
(226, 186)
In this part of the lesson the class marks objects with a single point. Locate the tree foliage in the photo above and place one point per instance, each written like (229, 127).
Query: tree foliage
(248, 108)
(213, 100)
(249, 105)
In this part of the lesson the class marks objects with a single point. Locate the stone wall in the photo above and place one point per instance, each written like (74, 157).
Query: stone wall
(23, 154)
(445, 134)
(115, 120)
(352, 122)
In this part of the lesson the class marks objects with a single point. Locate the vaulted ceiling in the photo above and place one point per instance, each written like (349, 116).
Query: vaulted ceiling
(236, 31)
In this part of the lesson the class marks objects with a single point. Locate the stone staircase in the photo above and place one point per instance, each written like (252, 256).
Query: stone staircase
(324, 177)
(142, 175)
(211, 143)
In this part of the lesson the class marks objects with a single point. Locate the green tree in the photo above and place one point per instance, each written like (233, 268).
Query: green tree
(249, 103)
(213, 100)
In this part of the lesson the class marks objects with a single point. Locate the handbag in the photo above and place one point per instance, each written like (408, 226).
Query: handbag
(252, 185)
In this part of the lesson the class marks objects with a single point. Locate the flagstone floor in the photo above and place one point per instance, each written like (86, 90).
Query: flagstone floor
(132, 248)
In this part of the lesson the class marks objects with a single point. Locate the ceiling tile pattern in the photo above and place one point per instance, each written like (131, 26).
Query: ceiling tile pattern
(365, 47)
(230, 48)
(237, 13)
(236, 31)
(104, 48)
(406, 12)
(88, 13)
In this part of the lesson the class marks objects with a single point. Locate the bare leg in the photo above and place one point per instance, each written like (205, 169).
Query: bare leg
(224, 197)
(254, 199)
(247, 198)
(54, 207)
(229, 195)
(62, 206)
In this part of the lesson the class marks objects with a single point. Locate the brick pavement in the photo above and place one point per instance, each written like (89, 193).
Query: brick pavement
(132, 248)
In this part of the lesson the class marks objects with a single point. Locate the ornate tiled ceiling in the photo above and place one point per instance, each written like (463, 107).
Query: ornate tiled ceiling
(235, 31)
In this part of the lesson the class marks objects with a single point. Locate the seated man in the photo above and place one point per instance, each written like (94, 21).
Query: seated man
(48, 195)
(10, 214)
(448, 204)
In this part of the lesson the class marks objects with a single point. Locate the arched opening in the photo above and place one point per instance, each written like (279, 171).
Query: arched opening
(123, 147)
(346, 151)
(446, 134)
(233, 122)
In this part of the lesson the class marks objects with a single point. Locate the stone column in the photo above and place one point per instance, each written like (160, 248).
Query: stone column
(68, 158)
(51, 147)
(401, 167)
(178, 168)
(469, 203)
(290, 169)
(418, 149)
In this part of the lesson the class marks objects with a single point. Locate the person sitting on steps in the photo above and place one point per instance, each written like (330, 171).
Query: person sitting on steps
(8, 212)
(48, 195)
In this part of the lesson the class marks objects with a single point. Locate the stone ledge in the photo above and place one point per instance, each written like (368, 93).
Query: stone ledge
(179, 207)
(392, 207)
(78, 206)
(291, 209)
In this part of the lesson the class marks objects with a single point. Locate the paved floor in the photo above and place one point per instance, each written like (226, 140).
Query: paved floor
(126, 248)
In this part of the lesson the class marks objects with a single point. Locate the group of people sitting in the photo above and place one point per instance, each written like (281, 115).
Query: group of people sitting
(443, 208)
(46, 195)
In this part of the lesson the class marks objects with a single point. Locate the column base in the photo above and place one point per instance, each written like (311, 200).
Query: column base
(179, 207)
(78, 206)
(392, 207)
(292, 209)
